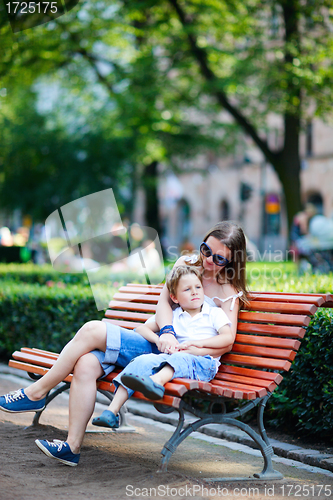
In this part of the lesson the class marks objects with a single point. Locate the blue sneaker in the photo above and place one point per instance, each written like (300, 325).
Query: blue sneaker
(59, 450)
(18, 402)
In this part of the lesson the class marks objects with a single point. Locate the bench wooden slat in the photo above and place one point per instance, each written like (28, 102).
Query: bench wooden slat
(230, 391)
(282, 307)
(133, 297)
(264, 351)
(142, 285)
(133, 316)
(326, 296)
(276, 330)
(268, 341)
(285, 297)
(285, 319)
(266, 384)
(271, 363)
(246, 389)
(123, 324)
(251, 373)
(131, 306)
(191, 384)
(34, 359)
(143, 290)
(29, 368)
(39, 352)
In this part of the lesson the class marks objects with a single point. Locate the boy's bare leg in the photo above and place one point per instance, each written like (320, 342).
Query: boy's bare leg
(119, 399)
(91, 336)
(164, 375)
(82, 398)
(112, 421)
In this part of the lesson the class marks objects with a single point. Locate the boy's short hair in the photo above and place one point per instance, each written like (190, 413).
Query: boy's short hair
(173, 278)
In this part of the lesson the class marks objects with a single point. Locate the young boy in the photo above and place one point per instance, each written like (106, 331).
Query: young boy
(203, 333)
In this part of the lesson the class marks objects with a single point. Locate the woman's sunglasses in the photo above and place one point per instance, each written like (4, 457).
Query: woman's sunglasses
(217, 259)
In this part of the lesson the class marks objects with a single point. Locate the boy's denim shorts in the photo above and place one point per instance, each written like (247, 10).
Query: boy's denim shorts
(184, 364)
(122, 345)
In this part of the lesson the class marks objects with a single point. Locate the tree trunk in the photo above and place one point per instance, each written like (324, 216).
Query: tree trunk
(287, 162)
(150, 184)
(288, 166)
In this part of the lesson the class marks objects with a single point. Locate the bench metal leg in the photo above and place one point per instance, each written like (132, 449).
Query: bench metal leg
(124, 426)
(180, 433)
(266, 449)
(49, 398)
(172, 444)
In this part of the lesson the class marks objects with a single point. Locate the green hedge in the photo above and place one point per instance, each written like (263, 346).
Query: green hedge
(43, 317)
(33, 273)
(304, 400)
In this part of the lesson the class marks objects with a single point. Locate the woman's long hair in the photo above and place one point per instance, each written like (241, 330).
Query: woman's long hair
(232, 236)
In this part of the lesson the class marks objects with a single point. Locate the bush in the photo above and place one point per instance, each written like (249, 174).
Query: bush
(304, 400)
(33, 273)
(38, 316)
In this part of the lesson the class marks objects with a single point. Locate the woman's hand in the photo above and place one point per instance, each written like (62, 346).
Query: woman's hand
(167, 343)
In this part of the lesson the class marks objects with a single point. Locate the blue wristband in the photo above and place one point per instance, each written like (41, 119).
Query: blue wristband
(167, 329)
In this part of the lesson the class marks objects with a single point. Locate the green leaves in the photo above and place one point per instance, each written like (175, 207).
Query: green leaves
(42, 316)
(304, 400)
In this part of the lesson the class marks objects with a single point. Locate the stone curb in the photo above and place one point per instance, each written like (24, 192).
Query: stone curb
(222, 431)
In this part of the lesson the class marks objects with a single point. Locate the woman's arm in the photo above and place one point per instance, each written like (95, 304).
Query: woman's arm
(207, 351)
(148, 332)
(163, 315)
(224, 339)
(166, 342)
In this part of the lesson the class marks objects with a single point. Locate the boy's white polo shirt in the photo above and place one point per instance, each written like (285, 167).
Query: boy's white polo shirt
(203, 325)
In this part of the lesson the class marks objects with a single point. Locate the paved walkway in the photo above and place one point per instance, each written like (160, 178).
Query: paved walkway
(202, 458)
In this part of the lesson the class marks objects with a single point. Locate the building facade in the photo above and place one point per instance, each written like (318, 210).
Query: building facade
(246, 190)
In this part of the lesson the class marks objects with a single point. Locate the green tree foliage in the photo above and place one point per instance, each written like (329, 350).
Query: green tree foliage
(44, 166)
(253, 58)
(171, 66)
(98, 45)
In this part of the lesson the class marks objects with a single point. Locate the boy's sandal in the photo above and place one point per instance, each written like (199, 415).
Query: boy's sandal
(107, 419)
(145, 385)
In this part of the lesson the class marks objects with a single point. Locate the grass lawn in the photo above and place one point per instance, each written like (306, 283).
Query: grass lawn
(284, 277)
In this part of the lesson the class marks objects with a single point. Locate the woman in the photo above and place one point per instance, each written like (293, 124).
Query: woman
(98, 346)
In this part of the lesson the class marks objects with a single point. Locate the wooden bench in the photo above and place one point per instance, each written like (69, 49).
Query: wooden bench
(269, 334)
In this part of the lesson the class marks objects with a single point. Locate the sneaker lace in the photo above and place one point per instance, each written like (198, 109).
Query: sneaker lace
(14, 396)
(57, 443)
